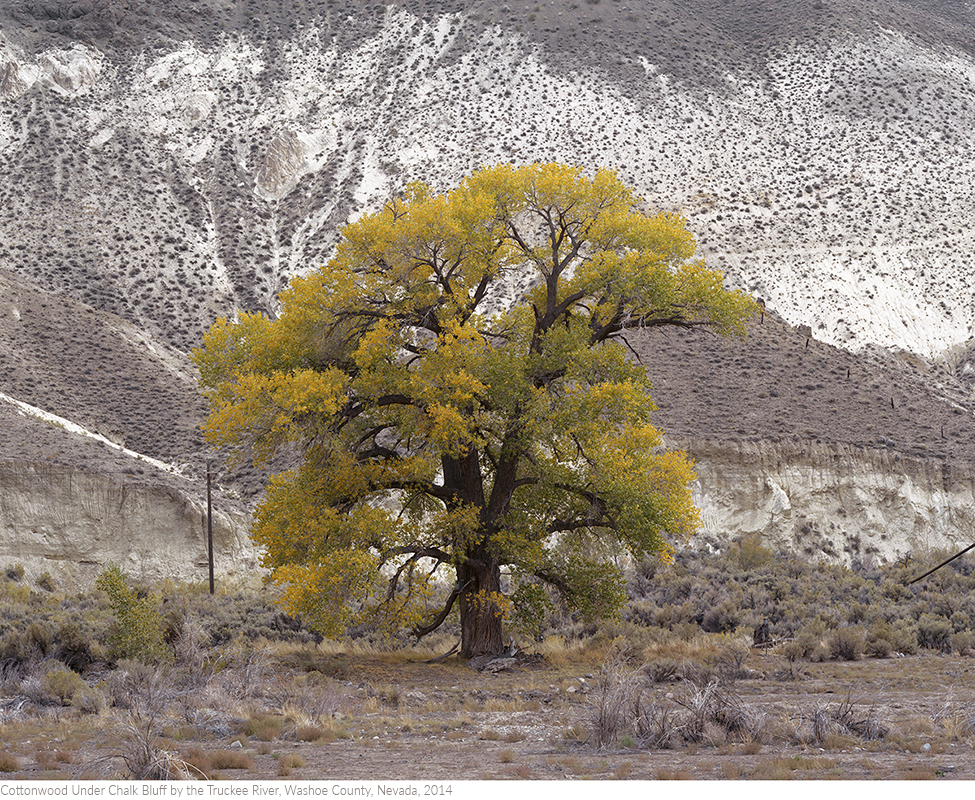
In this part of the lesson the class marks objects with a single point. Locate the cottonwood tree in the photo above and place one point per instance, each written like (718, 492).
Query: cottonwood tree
(448, 421)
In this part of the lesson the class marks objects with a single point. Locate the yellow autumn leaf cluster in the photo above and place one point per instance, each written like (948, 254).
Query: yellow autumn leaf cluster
(446, 423)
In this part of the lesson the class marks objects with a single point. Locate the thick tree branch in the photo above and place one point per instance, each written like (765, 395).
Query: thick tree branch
(598, 508)
(415, 552)
(554, 580)
(422, 630)
(654, 319)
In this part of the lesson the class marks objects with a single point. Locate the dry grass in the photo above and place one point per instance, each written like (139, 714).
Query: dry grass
(264, 727)
(731, 771)
(956, 719)
(700, 648)
(916, 772)
(52, 759)
(449, 708)
(623, 771)
(673, 775)
(780, 768)
(230, 759)
(321, 733)
(288, 763)
(9, 762)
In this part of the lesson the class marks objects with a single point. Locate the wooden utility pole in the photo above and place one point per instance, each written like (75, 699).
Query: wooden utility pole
(209, 527)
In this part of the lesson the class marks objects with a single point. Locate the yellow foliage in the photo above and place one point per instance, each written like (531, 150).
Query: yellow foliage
(436, 428)
(328, 595)
(493, 604)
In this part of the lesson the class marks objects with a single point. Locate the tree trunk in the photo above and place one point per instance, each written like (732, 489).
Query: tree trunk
(480, 615)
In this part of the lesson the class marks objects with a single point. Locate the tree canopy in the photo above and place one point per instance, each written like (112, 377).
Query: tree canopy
(459, 397)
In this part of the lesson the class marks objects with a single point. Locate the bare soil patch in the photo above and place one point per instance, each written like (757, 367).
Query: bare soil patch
(398, 720)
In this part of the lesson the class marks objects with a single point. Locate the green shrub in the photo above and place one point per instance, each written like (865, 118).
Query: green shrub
(671, 615)
(904, 633)
(960, 642)
(89, 700)
(878, 648)
(139, 627)
(934, 633)
(721, 618)
(845, 644)
(661, 670)
(856, 612)
(810, 636)
(13, 592)
(748, 552)
(40, 637)
(15, 572)
(61, 683)
(960, 621)
(73, 646)
(20, 648)
(46, 582)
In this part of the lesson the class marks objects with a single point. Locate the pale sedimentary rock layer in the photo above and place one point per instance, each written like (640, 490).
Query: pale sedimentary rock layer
(61, 520)
(830, 501)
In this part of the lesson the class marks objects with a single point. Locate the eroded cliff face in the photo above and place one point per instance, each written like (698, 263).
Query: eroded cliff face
(173, 161)
(826, 168)
(67, 521)
(830, 501)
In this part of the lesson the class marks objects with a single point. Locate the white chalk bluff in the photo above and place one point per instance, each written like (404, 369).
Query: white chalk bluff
(831, 502)
(166, 163)
(58, 520)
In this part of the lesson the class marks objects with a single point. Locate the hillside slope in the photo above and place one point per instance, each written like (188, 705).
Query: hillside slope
(814, 448)
(168, 162)
(172, 161)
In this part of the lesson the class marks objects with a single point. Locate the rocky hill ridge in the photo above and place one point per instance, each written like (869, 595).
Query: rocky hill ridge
(822, 151)
(168, 162)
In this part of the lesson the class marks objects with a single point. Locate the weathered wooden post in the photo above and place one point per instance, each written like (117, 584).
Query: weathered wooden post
(209, 527)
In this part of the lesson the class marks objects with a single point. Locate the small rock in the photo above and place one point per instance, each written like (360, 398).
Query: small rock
(925, 748)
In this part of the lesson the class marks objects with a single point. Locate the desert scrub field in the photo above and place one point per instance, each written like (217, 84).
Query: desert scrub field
(865, 678)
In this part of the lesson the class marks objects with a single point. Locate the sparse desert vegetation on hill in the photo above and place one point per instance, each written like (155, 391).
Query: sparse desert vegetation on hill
(821, 150)
(169, 162)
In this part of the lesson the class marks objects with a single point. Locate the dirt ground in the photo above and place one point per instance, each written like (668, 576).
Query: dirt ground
(419, 721)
